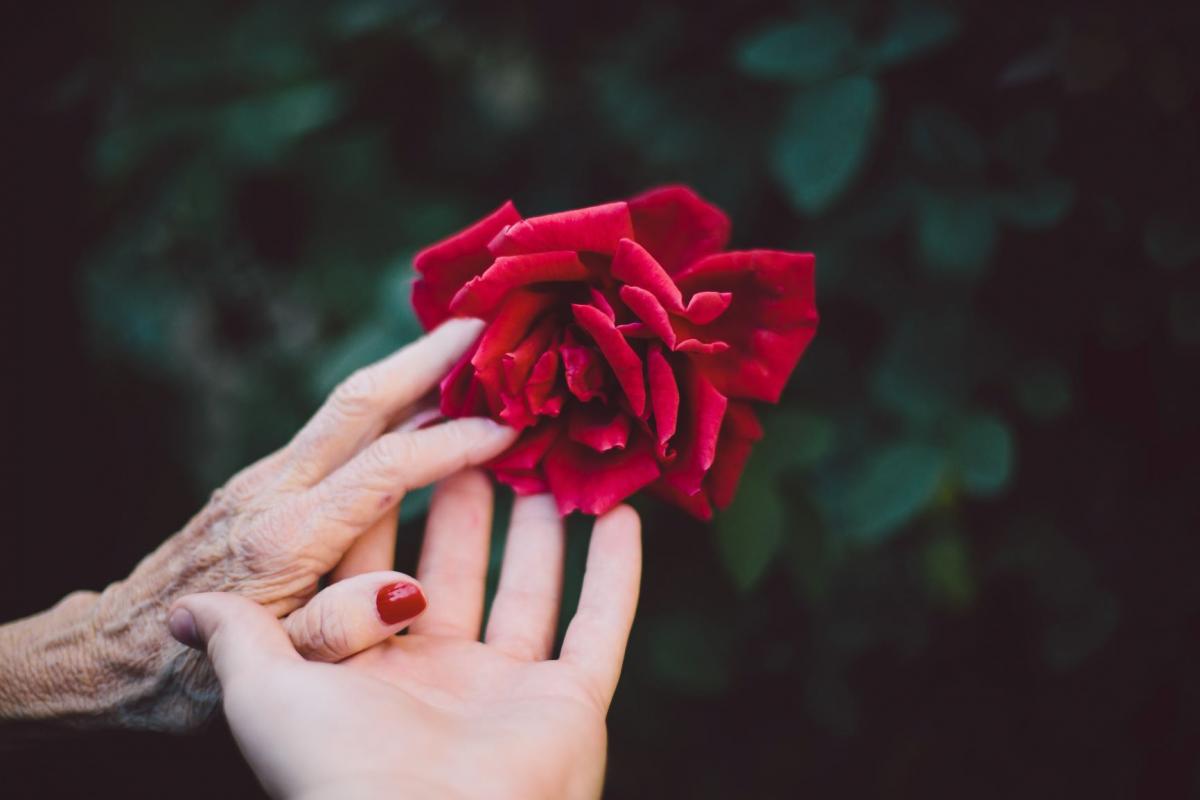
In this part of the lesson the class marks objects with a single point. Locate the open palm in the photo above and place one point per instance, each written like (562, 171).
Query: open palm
(439, 712)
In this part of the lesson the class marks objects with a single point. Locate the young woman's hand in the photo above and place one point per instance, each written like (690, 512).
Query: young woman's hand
(326, 502)
(438, 713)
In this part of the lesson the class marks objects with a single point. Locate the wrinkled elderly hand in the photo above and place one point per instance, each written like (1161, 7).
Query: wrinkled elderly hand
(326, 502)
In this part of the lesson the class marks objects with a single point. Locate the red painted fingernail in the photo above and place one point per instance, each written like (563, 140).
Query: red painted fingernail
(397, 602)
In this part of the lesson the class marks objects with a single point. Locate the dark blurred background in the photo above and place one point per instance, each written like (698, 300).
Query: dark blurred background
(964, 560)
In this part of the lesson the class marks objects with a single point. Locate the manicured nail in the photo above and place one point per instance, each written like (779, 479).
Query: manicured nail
(397, 602)
(182, 625)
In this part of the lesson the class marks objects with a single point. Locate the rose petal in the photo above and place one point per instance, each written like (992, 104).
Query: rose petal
(444, 267)
(620, 356)
(697, 346)
(518, 363)
(769, 323)
(696, 504)
(647, 308)
(583, 368)
(527, 452)
(598, 426)
(677, 226)
(601, 302)
(664, 397)
(541, 383)
(581, 478)
(704, 307)
(738, 435)
(703, 412)
(460, 393)
(484, 292)
(512, 321)
(634, 265)
(595, 229)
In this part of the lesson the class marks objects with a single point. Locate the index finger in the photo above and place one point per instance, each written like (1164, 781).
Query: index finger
(596, 638)
(364, 404)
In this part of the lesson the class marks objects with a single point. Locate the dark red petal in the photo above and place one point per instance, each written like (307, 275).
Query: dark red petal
(541, 383)
(738, 435)
(647, 308)
(444, 267)
(461, 395)
(527, 452)
(677, 226)
(706, 348)
(635, 266)
(490, 378)
(518, 363)
(704, 307)
(769, 323)
(664, 397)
(581, 478)
(601, 302)
(484, 292)
(594, 229)
(512, 321)
(583, 368)
(703, 412)
(598, 426)
(695, 504)
(620, 356)
(515, 411)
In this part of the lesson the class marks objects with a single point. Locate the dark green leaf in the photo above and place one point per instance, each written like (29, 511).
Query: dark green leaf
(947, 567)
(942, 138)
(915, 29)
(824, 141)
(1038, 205)
(803, 51)
(894, 484)
(983, 454)
(751, 529)
(956, 235)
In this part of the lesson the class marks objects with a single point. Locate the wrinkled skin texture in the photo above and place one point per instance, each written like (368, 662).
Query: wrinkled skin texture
(326, 502)
(622, 342)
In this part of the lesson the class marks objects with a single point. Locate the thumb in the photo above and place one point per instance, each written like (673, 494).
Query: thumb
(238, 634)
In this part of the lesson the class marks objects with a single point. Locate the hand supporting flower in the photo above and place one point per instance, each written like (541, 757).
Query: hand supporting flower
(622, 342)
(325, 502)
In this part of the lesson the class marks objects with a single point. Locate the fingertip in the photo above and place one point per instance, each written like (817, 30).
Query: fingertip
(623, 516)
(182, 626)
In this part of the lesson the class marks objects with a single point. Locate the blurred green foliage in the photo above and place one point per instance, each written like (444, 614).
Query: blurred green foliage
(1003, 206)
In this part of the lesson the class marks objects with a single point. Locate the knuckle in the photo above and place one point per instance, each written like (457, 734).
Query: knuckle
(357, 395)
(325, 634)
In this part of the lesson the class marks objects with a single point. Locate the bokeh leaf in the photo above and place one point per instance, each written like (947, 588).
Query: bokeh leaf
(750, 531)
(804, 51)
(955, 234)
(914, 30)
(824, 141)
(940, 137)
(983, 454)
(1036, 205)
(894, 484)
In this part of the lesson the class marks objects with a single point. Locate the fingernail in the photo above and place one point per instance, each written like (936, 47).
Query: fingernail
(397, 602)
(182, 625)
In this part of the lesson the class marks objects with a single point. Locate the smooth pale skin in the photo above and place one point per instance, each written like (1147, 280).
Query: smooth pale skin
(324, 504)
(437, 713)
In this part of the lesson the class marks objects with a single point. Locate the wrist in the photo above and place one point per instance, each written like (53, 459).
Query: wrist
(47, 664)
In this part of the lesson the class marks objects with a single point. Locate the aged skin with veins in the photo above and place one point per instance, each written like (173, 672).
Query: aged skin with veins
(325, 502)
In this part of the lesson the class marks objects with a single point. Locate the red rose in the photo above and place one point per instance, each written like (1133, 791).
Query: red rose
(623, 342)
